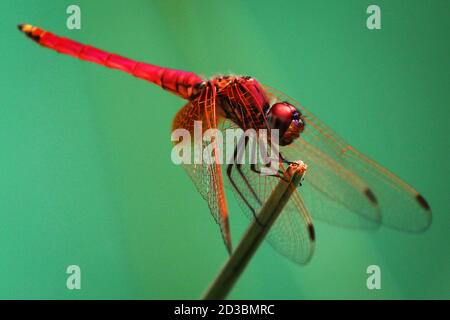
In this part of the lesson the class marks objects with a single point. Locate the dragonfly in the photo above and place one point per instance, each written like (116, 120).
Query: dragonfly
(342, 185)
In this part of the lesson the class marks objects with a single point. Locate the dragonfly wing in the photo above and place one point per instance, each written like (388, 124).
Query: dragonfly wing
(292, 234)
(400, 205)
(206, 175)
(334, 193)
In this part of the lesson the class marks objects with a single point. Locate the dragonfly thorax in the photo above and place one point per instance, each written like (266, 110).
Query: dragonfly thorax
(245, 102)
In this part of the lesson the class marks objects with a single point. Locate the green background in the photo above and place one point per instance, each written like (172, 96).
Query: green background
(85, 170)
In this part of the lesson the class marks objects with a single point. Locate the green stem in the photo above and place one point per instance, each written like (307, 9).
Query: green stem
(255, 233)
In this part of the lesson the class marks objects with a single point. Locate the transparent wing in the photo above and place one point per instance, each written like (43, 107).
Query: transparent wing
(324, 151)
(332, 192)
(207, 176)
(292, 234)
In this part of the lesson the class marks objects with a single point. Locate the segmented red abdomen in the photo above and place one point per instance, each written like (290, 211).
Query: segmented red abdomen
(182, 83)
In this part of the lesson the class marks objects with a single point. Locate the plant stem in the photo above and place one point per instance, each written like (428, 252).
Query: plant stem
(255, 233)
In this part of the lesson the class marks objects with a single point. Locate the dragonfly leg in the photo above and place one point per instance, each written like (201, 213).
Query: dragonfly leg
(280, 173)
(233, 183)
(239, 168)
(268, 163)
(284, 160)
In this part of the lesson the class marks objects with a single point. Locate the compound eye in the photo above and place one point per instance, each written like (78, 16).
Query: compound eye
(281, 115)
(288, 120)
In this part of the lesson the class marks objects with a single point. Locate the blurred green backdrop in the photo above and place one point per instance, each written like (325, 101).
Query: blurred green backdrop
(85, 170)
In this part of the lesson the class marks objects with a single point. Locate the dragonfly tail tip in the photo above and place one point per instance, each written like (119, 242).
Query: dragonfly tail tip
(30, 31)
(24, 27)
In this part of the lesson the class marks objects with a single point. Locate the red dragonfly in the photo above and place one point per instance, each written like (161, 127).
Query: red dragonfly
(342, 185)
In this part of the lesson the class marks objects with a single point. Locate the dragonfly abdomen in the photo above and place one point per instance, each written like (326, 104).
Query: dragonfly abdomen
(182, 83)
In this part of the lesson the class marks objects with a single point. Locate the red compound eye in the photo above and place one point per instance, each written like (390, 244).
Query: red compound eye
(281, 116)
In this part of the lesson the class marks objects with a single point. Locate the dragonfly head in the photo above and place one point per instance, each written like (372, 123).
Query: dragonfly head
(288, 120)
